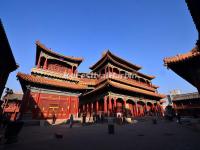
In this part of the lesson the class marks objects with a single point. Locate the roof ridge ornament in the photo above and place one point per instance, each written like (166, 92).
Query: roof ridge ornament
(105, 52)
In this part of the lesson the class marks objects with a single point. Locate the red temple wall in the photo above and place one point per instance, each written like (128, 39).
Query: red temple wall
(57, 68)
(44, 105)
(60, 68)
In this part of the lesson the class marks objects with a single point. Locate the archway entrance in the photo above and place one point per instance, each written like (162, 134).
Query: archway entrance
(120, 105)
(130, 107)
(141, 108)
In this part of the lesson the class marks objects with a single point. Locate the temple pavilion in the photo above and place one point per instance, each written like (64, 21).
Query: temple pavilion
(114, 85)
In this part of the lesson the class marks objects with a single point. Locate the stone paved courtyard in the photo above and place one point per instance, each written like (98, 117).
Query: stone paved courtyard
(140, 136)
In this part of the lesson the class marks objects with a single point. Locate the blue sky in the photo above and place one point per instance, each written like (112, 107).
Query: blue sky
(140, 31)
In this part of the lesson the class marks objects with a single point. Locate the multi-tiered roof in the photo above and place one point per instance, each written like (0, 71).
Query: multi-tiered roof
(42, 76)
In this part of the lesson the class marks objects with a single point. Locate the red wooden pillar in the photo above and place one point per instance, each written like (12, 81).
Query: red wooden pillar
(136, 108)
(68, 107)
(135, 112)
(124, 102)
(153, 109)
(77, 105)
(91, 107)
(115, 104)
(97, 106)
(124, 105)
(156, 110)
(38, 64)
(105, 104)
(45, 64)
(146, 109)
(110, 103)
(160, 110)
(132, 109)
(87, 108)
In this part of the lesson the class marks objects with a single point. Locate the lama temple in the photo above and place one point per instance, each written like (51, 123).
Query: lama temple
(113, 85)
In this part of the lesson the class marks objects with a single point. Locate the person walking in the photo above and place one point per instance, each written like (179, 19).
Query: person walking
(178, 117)
(83, 118)
(111, 127)
(71, 121)
(53, 118)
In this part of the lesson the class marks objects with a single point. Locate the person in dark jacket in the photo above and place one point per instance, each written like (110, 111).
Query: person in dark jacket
(71, 119)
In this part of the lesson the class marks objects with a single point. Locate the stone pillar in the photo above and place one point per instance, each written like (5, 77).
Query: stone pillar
(105, 104)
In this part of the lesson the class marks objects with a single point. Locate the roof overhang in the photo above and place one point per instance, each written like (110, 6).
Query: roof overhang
(41, 47)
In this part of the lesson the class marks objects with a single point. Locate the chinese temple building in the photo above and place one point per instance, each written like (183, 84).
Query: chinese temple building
(48, 89)
(113, 85)
(7, 60)
(187, 104)
(11, 105)
(120, 87)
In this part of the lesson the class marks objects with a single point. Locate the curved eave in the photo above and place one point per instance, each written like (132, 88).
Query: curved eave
(150, 77)
(42, 47)
(49, 82)
(100, 87)
(129, 83)
(136, 90)
(182, 57)
(113, 84)
(108, 53)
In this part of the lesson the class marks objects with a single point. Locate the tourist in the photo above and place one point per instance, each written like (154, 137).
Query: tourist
(94, 117)
(53, 118)
(97, 118)
(71, 121)
(178, 117)
(102, 117)
(111, 124)
(84, 118)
